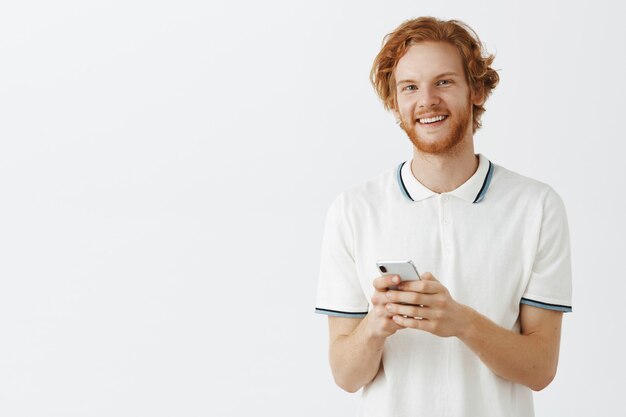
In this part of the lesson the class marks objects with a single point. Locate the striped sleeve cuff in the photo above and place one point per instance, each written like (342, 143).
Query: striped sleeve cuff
(547, 306)
(336, 313)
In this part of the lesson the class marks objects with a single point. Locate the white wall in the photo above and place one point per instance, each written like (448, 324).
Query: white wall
(165, 169)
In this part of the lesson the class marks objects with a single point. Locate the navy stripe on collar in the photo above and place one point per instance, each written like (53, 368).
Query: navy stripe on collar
(479, 197)
(401, 183)
(483, 189)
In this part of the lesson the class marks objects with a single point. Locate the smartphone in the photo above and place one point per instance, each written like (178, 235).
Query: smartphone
(404, 268)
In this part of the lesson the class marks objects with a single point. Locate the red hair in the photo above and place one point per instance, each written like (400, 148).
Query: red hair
(481, 78)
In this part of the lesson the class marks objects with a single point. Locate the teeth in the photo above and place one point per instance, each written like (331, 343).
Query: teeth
(432, 119)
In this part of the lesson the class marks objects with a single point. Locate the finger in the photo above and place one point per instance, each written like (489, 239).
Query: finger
(379, 298)
(409, 311)
(427, 276)
(410, 322)
(382, 283)
(423, 286)
(410, 297)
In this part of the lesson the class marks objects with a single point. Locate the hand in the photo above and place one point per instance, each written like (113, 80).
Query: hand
(427, 305)
(379, 319)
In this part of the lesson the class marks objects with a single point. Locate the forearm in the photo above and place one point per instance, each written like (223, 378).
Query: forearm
(355, 358)
(526, 359)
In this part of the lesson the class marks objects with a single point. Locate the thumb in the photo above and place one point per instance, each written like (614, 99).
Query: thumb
(427, 276)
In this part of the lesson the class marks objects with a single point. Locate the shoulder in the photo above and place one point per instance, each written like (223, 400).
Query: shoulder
(519, 189)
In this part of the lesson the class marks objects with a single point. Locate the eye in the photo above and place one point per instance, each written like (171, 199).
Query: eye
(410, 87)
(444, 82)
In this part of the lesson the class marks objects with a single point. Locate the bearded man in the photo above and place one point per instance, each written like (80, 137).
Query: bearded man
(481, 329)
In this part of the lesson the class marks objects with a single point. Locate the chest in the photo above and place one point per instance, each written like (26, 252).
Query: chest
(483, 255)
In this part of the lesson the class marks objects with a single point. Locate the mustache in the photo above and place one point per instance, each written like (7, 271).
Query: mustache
(441, 111)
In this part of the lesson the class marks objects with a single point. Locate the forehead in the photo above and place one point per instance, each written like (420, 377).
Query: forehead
(429, 59)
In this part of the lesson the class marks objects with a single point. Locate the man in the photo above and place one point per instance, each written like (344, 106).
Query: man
(481, 329)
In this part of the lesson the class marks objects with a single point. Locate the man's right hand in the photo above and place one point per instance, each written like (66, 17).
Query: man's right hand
(379, 320)
(356, 345)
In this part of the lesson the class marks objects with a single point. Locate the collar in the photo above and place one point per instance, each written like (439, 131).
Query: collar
(473, 190)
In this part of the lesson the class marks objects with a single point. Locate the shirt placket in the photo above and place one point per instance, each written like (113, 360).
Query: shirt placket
(445, 220)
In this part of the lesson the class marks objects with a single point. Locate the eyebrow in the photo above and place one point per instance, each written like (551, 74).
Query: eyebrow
(442, 75)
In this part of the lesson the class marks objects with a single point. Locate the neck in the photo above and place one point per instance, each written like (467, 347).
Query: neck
(445, 172)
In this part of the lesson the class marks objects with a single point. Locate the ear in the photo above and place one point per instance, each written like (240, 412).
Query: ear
(478, 97)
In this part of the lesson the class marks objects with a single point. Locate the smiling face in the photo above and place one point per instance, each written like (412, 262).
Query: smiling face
(434, 101)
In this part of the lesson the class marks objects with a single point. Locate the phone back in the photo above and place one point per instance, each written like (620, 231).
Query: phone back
(404, 268)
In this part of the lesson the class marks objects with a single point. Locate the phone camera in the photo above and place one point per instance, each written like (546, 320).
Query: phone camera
(382, 269)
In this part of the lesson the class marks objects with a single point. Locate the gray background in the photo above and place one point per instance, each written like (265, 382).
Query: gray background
(165, 170)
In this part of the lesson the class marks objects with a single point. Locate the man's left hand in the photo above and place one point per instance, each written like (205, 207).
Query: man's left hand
(427, 305)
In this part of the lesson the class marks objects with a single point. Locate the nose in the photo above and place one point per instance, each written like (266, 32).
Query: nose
(428, 97)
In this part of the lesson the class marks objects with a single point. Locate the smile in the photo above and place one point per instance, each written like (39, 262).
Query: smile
(428, 120)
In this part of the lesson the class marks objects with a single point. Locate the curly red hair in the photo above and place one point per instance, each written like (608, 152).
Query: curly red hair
(481, 78)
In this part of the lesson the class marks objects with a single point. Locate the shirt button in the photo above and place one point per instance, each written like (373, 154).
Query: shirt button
(446, 221)
(444, 198)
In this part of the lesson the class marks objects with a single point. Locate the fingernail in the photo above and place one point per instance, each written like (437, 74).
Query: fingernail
(395, 279)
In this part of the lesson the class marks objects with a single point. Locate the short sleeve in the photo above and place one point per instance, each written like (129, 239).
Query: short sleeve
(550, 284)
(339, 290)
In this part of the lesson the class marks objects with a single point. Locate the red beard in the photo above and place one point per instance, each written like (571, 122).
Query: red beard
(444, 145)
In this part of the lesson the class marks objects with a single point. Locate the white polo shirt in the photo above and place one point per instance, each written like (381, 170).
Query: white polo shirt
(497, 241)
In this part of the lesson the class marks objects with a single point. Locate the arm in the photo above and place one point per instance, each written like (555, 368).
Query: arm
(529, 358)
(355, 353)
(356, 345)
